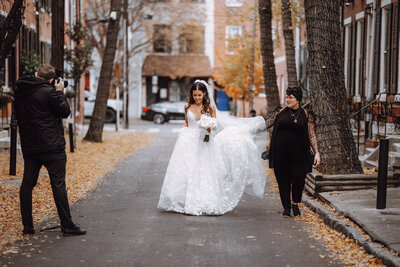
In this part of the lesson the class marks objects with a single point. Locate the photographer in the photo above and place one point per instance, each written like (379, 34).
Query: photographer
(40, 107)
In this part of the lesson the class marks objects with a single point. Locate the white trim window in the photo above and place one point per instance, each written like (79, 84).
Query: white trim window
(234, 3)
(231, 32)
(359, 55)
(383, 51)
(347, 56)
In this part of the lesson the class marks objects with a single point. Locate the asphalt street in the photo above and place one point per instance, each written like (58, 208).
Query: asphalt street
(125, 228)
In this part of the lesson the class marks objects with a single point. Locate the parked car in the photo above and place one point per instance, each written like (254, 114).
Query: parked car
(112, 105)
(164, 111)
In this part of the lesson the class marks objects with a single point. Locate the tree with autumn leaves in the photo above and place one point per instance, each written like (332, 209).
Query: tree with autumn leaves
(234, 72)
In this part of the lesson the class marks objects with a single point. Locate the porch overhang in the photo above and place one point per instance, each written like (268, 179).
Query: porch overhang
(177, 67)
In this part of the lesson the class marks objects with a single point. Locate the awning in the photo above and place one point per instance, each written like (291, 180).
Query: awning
(177, 67)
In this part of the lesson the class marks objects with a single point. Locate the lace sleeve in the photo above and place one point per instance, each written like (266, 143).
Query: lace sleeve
(271, 120)
(312, 135)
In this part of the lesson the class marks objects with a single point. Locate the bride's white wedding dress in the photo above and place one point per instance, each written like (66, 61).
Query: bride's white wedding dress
(210, 177)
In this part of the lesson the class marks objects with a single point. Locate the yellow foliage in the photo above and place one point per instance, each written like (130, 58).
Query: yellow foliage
(234, 71)
(84, 169)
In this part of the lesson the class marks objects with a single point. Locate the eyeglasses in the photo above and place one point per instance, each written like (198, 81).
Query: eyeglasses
(291, 98)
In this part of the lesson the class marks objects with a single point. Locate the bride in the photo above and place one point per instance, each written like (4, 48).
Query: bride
(215, 159)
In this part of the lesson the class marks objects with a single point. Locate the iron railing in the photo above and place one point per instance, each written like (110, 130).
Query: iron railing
(377, 118)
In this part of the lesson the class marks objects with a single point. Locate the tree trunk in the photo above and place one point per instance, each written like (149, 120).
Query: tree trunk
(9, 29)
(267, 52)
(57, 34)
(289, 48)
(95, 131)
(327, 90)
(251, 93)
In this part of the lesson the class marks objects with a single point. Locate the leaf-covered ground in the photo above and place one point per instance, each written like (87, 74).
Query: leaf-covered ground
(85, 167)
(342, 248)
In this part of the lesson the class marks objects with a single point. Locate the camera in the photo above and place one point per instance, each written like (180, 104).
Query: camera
(59, 74)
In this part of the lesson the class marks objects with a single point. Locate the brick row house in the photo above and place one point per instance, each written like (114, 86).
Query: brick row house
(34, 38)
(180, 52)
(371, 61)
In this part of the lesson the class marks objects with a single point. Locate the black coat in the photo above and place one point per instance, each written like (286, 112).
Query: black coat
(308, 157)
(39, 109)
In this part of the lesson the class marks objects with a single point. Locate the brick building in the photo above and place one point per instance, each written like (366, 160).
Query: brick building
(34, 38)
(181, 50)
(371, 62)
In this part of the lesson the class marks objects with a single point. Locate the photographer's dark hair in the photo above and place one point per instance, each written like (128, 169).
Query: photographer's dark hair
(206, 100)
(47, 72)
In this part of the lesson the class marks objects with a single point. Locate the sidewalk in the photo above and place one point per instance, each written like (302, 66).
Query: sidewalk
(360, 206)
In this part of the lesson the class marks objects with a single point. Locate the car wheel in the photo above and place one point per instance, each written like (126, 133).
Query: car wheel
(111, 115)
(159, 118)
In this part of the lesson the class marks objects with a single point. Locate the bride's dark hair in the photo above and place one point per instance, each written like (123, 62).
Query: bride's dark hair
(206, 99)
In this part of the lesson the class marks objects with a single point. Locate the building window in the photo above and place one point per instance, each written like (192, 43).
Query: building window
(359, 79)
(191, 40)
(347, 49)
(234, 3)
(231, 32)
(383, 51)
(162, 39)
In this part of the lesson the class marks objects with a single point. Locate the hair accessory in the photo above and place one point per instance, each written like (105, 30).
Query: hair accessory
(203, 82)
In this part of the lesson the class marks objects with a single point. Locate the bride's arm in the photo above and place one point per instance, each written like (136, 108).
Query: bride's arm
(186, 121)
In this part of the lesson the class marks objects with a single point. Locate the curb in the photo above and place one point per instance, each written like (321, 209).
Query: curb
(342, 226)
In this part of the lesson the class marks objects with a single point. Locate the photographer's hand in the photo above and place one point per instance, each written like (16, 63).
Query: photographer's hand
(59, 84)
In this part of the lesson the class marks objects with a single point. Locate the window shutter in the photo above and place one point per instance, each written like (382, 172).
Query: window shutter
(353, 57)
(388, 49)
(395, 54)
(361, 63)
(377, 44)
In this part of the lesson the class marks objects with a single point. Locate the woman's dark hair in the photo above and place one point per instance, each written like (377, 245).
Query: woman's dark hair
(296, 92)
(206, 100)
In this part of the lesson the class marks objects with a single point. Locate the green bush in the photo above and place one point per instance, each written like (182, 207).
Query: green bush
(30, 63)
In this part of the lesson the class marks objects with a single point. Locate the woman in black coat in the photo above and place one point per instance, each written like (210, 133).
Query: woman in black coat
(289, 154)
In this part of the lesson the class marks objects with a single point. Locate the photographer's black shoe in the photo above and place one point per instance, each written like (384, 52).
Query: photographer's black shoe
(72, 230)
(296, 210)
(286, 213)
(28, 230)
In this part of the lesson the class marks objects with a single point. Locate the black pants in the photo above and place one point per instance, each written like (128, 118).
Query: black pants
(55, 165)
(291, 179)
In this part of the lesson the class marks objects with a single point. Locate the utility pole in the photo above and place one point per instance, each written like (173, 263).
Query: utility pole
(126, 66)
(251, 94)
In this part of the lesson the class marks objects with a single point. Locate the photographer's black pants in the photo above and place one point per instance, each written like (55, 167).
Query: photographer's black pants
(55, 165)
(291, 179)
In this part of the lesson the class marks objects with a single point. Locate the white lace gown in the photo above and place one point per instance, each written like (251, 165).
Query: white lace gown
(209, 178)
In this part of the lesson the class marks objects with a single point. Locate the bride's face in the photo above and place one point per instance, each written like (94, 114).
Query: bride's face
(198, 96)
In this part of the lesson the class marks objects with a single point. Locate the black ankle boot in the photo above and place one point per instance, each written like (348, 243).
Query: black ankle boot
(286, 213)
(28, 230)
(72, 230)
(296, 210)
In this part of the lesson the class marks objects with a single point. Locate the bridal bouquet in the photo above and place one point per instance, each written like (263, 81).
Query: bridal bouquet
(207, 122)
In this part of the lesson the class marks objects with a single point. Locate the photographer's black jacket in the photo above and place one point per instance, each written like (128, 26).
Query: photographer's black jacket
(39, 109)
